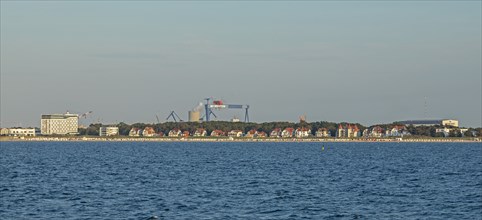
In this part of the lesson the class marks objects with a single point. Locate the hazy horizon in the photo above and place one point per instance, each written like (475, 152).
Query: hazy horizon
(362, 62)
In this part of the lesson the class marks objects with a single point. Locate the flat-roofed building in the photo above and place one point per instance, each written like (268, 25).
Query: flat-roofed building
(442, 122)
(108, 131)
(18, 132)
(59, 124)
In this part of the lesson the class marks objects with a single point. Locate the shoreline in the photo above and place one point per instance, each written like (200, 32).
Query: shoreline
(227, 139)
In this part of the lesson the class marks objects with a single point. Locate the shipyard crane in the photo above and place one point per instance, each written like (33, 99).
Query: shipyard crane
(174, 116)
(218, 104)
(85, 114)
(158, 122)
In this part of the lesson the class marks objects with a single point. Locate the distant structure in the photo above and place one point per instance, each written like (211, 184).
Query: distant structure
(218, 105)
(347, 131)
(195, 113)
(59, 124)
(19, 132)
(442, 122)
(108, 131)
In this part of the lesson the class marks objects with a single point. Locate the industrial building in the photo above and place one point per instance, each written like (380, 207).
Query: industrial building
(59, 124)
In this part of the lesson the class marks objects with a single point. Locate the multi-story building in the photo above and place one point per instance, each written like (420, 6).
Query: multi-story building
(323, 132)
(59, 124)
(302, 132)
(349, 131)
(108, 131)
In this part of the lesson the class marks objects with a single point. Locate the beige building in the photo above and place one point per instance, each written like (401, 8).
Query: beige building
(450, 122)
(59, 124)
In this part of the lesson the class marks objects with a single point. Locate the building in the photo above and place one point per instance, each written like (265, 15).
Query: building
(262, 134)
(302, 132)
(18, 132)
(135, 132)
(397, 131)
(217, 133)
(287, 132)
(149, 132)
(59, 124)
(108, 131)
(349, 131)
(252, 133)
(200, 132)
(450, 122)
(323, 132)
(4, 131)
(377, 132)
(176, 132)
(441, 122)
(235, 133)
(275, 133)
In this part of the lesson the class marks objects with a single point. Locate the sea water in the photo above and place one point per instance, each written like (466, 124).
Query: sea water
(140, 180)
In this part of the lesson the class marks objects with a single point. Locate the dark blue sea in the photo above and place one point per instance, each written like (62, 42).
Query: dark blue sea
(141, 180)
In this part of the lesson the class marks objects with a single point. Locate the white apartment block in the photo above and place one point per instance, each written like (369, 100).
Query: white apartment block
(108, 131)
(59, 124)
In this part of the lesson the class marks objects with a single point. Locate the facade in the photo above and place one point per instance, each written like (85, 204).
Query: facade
(4, 131)
(450, 122)
(217, 133)
(397, 131)
(252, 133)
(18, 132)
(287, 132)
(377, 131)
(59, 124)
(348, 131)
(262, 134)
(275, 133)
(323, 132)
(302, 132)
(235, 133)
(108, 131)
(149, 132)
(200, 132)
(176, 132)
(135, 132)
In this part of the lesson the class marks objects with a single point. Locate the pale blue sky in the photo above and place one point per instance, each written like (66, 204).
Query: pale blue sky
(366, 62)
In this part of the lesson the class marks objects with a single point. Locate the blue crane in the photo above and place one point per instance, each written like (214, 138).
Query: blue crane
(218, 104)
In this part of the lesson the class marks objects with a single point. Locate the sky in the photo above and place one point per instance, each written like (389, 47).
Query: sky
(369, 62)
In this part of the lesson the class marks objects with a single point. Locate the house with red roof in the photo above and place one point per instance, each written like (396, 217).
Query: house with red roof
(217, 133)
(287, 132)
(200, 132)
(302, 132)
(176, 132)
(275, 133)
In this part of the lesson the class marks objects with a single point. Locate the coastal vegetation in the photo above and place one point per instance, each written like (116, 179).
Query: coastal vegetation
(422, 131)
